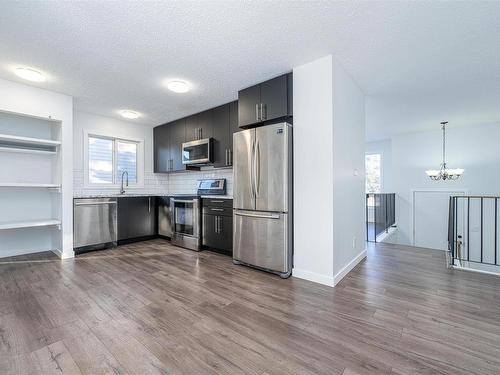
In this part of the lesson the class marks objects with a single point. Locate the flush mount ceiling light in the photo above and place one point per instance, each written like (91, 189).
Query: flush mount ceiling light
(178, 86)
(30, 74)
(444, 173)
(127, 113)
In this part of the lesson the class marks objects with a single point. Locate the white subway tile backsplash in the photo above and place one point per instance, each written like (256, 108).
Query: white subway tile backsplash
(160, 184)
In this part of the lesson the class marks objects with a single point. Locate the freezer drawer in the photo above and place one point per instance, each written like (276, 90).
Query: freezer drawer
(261, 239)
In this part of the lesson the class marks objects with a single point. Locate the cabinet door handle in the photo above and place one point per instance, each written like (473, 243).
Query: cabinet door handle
(217, 209)
(226, 156)
(201, 133)
(257, 112)
(230, 157)
(215, 225)
(263, 111)
(149, 204)
(220, 224)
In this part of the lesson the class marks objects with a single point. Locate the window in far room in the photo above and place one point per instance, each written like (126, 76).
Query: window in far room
(373, 168)
(107, 158)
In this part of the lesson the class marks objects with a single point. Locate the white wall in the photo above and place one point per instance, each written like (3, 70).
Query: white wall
(328, 194)
(113, 128)
(313, 171)
(383, 147)
(25, 99)
(474, 148)
(348, 172)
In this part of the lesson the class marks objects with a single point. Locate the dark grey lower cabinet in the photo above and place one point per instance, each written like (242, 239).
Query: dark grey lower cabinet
(217, 224)
(137, 218)
(218, 232)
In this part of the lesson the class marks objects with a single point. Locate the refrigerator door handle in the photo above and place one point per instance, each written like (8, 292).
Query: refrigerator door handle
(261, 216)
(257, 169)
(252, 170)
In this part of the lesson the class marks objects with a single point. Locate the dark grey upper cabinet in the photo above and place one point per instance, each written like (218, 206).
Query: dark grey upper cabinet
(289, 78)
(161, 140)
(168, 141)
(248, 105)
(199, 126)
(219, 123)
(222, 135)
(233, 118)
(177, 136)
(266, 101)
(233, 127)
(136, 217)
(205, 124)
(274, 98)
(191, 128)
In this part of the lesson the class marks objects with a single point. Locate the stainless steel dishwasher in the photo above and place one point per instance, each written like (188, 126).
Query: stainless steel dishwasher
(94, 224)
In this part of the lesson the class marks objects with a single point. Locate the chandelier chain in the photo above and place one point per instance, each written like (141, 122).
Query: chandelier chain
(444, 173)
(444, 142)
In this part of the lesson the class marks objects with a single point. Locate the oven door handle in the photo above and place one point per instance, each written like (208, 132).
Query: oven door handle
(182, 200)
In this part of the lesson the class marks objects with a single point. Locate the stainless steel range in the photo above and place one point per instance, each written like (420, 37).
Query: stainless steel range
(185, 213)
(186, 221)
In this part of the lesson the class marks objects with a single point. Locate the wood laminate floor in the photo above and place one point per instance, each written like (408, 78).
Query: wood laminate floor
(150, 308)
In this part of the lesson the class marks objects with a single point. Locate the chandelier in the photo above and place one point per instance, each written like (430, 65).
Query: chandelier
(444, 173)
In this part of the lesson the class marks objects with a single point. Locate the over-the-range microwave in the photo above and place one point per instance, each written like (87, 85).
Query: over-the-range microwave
(198, 152)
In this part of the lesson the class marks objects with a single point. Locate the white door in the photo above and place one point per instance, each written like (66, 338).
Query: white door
(430, 218)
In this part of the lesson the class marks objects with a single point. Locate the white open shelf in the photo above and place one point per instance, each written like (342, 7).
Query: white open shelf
(27, 141)
(29, 185)
(29, 224)
(27, 150)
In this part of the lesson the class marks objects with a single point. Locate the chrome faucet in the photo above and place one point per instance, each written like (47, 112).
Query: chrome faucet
(122, 190)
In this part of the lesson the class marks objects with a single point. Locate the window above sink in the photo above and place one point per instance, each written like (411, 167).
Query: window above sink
(107, 158)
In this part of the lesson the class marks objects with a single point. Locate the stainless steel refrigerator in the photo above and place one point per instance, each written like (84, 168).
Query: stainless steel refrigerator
(262, 198)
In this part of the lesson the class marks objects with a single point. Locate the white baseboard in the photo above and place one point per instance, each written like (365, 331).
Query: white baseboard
(385, 235)
(353, 263)
(64, 254)
(313, 276)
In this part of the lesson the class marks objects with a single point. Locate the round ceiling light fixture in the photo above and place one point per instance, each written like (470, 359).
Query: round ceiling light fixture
(178, 86)
(30, 74)
(129, 114)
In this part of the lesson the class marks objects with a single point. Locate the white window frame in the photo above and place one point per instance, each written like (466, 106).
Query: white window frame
(116, 181)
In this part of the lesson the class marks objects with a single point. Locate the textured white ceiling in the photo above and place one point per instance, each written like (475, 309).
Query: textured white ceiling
(114, 55)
